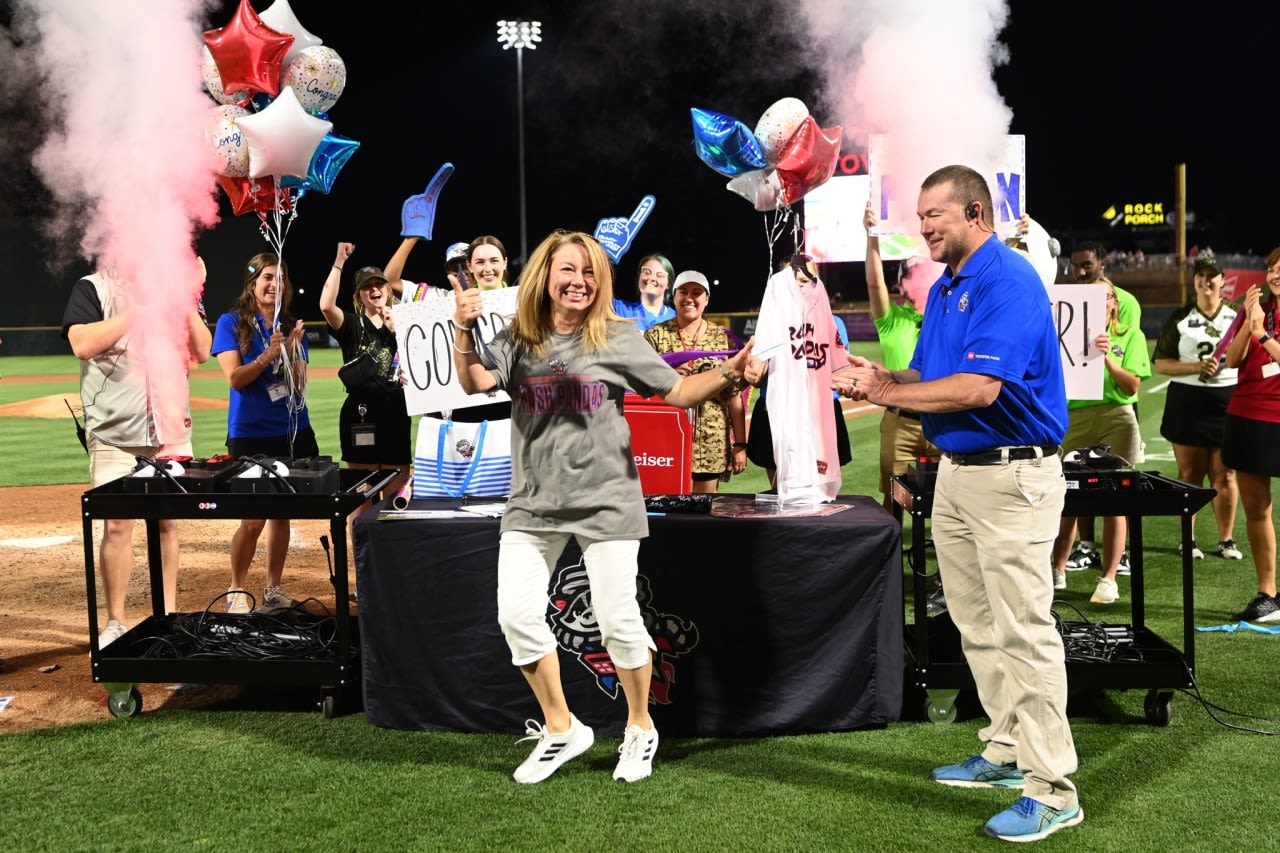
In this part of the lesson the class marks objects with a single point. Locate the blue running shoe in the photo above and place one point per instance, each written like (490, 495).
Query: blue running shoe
(1031, 820)
(977, 772)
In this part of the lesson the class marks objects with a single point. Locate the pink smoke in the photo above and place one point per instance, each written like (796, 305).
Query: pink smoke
(127, 159)
(920, 72)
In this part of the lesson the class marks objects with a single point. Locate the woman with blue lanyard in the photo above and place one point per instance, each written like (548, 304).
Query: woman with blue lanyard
(263, 353)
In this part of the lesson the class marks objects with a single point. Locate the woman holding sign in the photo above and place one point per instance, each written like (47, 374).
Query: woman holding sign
(373, 425)
(566, 359)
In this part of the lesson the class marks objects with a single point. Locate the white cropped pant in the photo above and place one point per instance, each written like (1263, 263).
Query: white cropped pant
(525, 564)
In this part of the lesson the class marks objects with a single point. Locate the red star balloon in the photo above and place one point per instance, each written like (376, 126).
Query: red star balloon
(247, 195)
(249, 54)
(808, 159)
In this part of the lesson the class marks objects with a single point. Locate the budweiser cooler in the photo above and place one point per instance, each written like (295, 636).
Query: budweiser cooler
(662, 444)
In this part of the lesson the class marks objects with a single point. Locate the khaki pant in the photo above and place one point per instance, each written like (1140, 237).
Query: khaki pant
(902, 443)
(993, 529)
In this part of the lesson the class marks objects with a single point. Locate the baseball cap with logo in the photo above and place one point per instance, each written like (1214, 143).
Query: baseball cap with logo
(455, 252)
(692, 277)
(369, 275)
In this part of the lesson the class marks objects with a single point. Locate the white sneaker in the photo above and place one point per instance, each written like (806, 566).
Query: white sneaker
(238, 601)
(1196, 553)
(1227, 550)
(552, 750)
(637, 750)
(111, 633)
(1106, 593)
(1059, 580)
(274, 599)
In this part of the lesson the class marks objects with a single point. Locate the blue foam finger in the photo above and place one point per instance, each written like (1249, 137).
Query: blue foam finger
(418, 214)
(616, 233)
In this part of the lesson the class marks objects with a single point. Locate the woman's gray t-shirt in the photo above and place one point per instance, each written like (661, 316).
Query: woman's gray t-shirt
(571, 461)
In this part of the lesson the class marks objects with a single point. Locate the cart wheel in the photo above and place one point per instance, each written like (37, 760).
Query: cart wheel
(1159, 708)
(125, 701)
(329, 706)
(940, 706)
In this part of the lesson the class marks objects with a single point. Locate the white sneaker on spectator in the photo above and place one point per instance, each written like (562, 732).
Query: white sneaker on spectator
(112, 632)
(1059, 580)
(1227, 550)
(1196, 553)
(238, 601)
(1106, 592)
(637, 751)
(552, 750)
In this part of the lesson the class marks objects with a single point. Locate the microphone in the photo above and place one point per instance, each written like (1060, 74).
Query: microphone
(946, 290)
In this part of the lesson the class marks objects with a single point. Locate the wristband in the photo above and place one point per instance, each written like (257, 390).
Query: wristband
(338, 268)
(462, 328)
(1265, 337)
(739, 445)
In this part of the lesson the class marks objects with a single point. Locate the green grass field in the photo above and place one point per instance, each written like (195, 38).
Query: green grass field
(275, 777)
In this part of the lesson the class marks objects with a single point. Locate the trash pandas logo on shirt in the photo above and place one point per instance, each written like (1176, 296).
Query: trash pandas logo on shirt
(573, 622)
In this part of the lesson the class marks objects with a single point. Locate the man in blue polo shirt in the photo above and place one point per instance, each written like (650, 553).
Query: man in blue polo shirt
(987, 379)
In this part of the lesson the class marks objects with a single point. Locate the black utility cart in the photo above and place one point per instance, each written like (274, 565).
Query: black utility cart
(933, 660)
(321, 651)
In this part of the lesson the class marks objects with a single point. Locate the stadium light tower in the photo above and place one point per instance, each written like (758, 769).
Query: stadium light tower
(520, 34)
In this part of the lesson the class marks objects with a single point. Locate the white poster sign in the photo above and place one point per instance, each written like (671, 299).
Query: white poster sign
(896, 210)
(1080, 312)
(425, 335)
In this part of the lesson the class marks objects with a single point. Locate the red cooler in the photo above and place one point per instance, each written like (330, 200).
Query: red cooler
(662, 444)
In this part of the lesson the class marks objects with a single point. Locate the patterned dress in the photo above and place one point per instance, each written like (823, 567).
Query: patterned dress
(711, 437)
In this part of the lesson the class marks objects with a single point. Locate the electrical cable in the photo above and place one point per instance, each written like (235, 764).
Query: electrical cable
(1098, 642)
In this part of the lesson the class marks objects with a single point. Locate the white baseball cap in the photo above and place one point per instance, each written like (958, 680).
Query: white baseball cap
(456, 252)
(694, 277)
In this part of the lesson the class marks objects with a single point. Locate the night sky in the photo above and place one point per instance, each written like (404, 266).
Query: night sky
(1111, 97)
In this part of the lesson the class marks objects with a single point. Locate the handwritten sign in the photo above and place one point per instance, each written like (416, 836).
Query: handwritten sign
(896, 204)
(1080, 312)
(425, 333)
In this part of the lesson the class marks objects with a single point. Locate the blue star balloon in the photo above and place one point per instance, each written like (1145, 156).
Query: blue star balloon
(331, 155)
(725, 144)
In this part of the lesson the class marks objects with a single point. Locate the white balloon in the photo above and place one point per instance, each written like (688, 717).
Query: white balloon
(777, 125)
(761, 187)
(280, 17)
(283, 137)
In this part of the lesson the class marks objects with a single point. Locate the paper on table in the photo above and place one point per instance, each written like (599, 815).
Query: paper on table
(494, 510)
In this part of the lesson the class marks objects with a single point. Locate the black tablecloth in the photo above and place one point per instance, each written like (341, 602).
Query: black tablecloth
(764, 625)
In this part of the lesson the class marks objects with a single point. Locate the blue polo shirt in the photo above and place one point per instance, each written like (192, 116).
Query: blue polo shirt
(994, 319)
(636, 311)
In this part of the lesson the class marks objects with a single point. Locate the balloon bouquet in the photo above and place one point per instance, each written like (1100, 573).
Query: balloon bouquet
(274, 82)
(773, 166)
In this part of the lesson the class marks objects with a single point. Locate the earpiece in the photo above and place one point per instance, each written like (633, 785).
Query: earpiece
(971, 210)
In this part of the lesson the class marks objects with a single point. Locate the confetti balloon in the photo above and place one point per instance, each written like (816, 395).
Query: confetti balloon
(777, 124)
(228, 144)
(317, 76)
